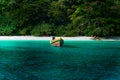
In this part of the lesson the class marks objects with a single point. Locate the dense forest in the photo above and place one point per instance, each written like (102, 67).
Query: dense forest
(60, 17)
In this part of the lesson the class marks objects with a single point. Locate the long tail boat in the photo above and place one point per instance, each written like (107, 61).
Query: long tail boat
(57, 42)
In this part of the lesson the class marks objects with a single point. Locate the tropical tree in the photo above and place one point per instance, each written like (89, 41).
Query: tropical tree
(92, 16)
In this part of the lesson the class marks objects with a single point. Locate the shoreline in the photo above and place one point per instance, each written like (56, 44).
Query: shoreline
(77, 38)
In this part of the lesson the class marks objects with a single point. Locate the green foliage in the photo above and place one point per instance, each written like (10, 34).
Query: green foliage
(71, 33)
(25, 31)
(57, 12)
(7, 29)
(42, 30)
(66, 30)
(97, 17)
(27, 13)
(59, 30)
(60, 17)
(70, 30)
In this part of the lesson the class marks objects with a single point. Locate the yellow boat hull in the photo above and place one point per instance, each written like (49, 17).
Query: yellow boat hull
(57, 42)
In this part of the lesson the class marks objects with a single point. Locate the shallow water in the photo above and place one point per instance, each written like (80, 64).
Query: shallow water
(76, 60)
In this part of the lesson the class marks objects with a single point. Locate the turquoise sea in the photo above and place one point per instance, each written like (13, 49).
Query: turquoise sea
(76, 60)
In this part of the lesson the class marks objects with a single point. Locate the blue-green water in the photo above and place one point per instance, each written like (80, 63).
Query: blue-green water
(76, 60)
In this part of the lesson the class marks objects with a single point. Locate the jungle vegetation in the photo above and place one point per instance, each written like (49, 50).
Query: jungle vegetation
(60, 17)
